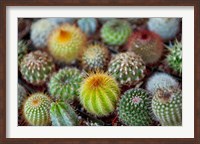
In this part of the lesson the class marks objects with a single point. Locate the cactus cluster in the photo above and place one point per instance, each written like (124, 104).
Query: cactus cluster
(127, 68)
(40, 31)
(36, 109)
(167, 28)
(36, 67)
(134, 108)
(115, 32)
(62, 114)
(162, 81)
(167, 106)
(88, 25)
(95, 57)
(147, 44)
(174, 58)
(65, 83)
(66, 43)
(99, 93)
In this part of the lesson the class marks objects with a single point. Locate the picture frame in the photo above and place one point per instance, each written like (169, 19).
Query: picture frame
(7, 3)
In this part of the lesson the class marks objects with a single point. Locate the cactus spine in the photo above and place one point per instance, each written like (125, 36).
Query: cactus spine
(99, 93)
(36, 109)
(62, 114)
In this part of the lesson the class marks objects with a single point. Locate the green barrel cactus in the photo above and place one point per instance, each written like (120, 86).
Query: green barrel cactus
(174, 58)
(22, 50)
(95, 57)
(167, 106)
(162, 81)
(22, 94)
(87, 25)
(127, 68)
(147, 44)
(115, 32)
(99, 93)
(36, 67)
(36, 109)
(134, 108)
(62, 114)
(66, 43)
(65, 83)
(40, 31)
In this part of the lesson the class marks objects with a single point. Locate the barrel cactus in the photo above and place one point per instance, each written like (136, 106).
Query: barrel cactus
(40, 31)
(36, 109)
(167, 106)
(167, 28)
(65, 83)
(61, 20)
(174, 58)
(87, 25)
(36, 67)
(22, 50)
(66, 43)
(162, 81)
(134, 108)
(95, 57)
(127, 68)
(99, 93)
(115, 32)
(22, 94)
(147, 44)
(62, 114)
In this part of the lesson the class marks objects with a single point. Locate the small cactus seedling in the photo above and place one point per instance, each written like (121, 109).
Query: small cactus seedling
(134, 108)
(60, 20)
(22, 94)
(22, 50)
(174, 59)
(115, 32)
(167, 106)
(127, 68)
(87, 25)
(36, 67)
(36, 109)
(66, 43)
(62, 114)
(147, 44)
(40, 31)
(65, 83)
(160, 80)
(99, 93)
(167, 28)
(95, 57)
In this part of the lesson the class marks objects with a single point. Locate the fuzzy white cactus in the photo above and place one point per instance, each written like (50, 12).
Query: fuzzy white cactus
(167, 28)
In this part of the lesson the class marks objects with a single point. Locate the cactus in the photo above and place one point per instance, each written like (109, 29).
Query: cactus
(60, 20)
(127, 68)
(36, 67)
(95, 57)
(22, 50)
(147, 44)
(104, 20)
(115, 32)
(66, 43)
(65, 83)
(99, 93)
(62, 114)
(87, 25)
(160, 80)
(22, 94)
(134, 108)
(36, 109)
(174, 59)
(167, 106)
(40, 31)
(167, 28)
(137, 21)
